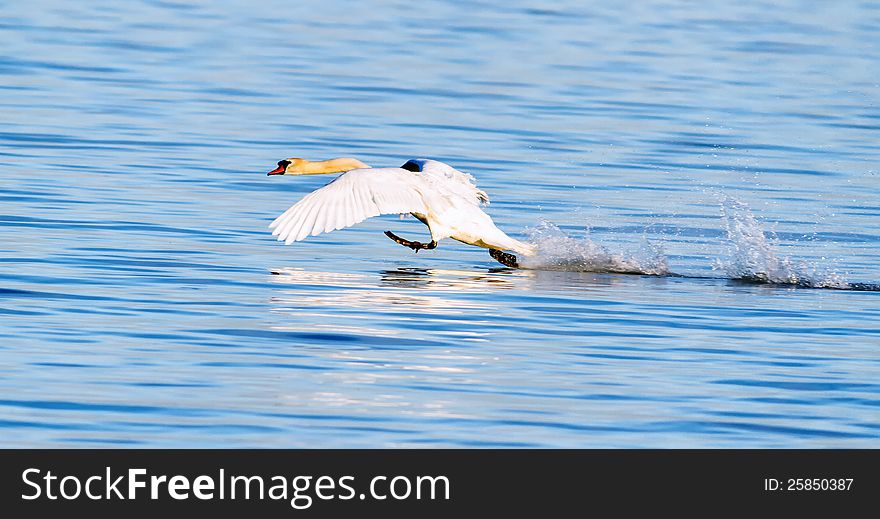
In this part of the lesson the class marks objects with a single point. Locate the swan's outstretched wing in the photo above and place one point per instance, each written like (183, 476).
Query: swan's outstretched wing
(446, 178)
(349, 199)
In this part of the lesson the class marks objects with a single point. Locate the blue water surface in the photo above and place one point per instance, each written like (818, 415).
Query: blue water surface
(143, 301)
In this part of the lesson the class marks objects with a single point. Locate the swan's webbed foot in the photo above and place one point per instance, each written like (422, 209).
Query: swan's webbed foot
(508, 260)
(414, 245)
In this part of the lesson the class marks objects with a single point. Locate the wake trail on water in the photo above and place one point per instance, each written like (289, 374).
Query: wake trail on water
(751, 256)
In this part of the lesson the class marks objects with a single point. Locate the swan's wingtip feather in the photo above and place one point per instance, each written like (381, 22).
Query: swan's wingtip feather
(281, 217)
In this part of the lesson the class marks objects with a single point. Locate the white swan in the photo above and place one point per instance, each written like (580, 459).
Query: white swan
(438, 195)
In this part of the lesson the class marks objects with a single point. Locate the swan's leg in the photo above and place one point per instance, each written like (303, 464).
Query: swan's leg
(508, 260)
(414, 245)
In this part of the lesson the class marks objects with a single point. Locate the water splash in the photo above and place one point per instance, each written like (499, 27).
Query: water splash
(753, 256)
(559, 251)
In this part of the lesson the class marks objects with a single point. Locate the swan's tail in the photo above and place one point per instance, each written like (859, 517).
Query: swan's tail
(504, 242)
(523, 248)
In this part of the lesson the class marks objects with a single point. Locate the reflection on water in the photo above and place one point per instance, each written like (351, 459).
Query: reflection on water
(343, 303)
(352, 291)
(138, 304)
(438, 279)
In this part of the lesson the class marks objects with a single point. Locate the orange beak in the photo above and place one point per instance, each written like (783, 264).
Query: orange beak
(277, 171)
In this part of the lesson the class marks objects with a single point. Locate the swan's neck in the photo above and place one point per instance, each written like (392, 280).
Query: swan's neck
(324, 167)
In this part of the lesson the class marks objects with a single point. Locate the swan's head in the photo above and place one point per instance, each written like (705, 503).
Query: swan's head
(297, 166)
(291, 166)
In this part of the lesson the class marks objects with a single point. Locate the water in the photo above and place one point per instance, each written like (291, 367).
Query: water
(728, 150)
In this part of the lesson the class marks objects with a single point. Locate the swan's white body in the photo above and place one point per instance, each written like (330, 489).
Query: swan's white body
(443, 198)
